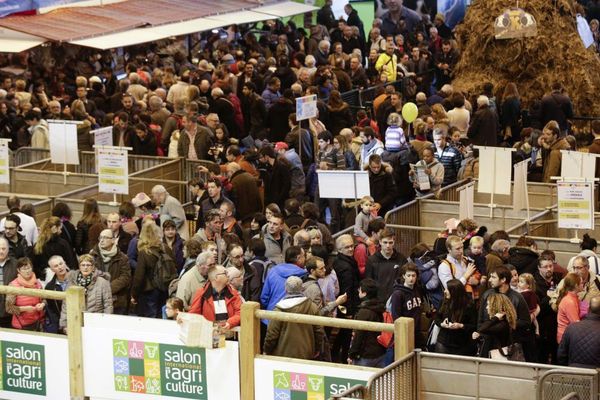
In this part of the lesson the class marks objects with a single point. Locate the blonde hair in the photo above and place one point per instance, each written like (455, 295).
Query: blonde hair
(45, 233)
(476, 240)
(86, 257)
(499, 303)
(367, 198)
(529, 279)
(150, 237)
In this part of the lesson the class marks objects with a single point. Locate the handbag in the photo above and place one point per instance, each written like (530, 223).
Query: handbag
(434, 331)
(513, 352)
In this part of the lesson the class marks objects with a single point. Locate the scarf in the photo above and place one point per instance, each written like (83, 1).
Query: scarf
(30, 283)
(84, 281)
(108, 254)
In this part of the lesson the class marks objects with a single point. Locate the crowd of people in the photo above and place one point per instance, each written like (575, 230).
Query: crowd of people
(264, 233)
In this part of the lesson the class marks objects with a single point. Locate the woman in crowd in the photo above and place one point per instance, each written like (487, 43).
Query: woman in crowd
(568, 303)
(340, 116)
(144, 294)
(98, 297)
(340, 143)
(89, 227)
(457, 319)
(510, 113)
(496, 332)
(50, 244)
(27, 311)
(68, 232)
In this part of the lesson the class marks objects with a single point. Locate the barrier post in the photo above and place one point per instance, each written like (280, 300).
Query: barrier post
(75, 306)
(249, 348)
(404, 337)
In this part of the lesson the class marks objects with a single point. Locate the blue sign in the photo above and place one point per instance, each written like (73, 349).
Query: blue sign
(8, 7)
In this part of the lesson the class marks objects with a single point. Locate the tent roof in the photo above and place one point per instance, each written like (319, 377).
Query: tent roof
(16, 42)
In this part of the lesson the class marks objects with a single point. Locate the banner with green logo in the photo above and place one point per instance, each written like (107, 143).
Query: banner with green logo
(23, 369)
(159, 369)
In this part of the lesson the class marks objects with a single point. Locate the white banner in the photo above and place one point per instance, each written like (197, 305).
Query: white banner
(343, 184)
(63, 142)
(494, 170)
(113, 173)
(142, 358)
(285, 378)
(520, 201)
(575, 164)
(33, 367)
(103, 136)
(4, 162)
(575, 205)
(465, 209)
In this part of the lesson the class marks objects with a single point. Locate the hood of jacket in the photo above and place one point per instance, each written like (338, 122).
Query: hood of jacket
(398, 285)
(373, 305)
(284, 271)
(298, 305)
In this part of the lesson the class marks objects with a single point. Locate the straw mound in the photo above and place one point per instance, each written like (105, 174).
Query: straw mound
(555, 54)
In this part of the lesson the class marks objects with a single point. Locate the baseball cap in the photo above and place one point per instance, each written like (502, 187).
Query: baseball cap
(281, 145)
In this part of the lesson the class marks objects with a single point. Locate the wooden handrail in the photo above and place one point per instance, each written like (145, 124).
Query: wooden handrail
(45, 294)
(324, 321)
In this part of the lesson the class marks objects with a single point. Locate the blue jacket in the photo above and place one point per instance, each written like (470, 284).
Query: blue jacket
(274, 287)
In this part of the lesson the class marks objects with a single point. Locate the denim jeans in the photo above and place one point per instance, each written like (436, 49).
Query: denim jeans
(378, 362)
(150, 303)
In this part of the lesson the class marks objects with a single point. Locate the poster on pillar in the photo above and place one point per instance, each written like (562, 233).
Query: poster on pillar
(113, 173)
(277, 378)
(4, 162)
(33, 366)
(63, 142)
(575, 205)
(128, 358)
(495, 176)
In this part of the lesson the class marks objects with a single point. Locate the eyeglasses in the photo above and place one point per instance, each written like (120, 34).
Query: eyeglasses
(350, 246)
(26, 268)
(86, 265)
(106, 237)
(10, 228)
(221, 273)
(240, 256)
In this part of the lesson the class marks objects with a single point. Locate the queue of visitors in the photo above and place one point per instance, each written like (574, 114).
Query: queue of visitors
(264, 233)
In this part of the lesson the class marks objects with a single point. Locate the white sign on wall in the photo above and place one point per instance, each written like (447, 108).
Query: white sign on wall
(142, 358)
(277, 380)
(63, 142)
(575, 205)
(33, 367)
(113, 173)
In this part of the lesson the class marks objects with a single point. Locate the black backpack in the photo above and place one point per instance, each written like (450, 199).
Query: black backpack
(165, 271)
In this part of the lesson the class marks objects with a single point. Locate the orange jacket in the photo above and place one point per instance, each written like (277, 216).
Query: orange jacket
(204, 305)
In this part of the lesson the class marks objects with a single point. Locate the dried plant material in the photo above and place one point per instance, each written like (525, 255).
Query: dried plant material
(533, 63)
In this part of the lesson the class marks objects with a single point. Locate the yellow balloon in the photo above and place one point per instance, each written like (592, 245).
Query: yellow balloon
(410, 112)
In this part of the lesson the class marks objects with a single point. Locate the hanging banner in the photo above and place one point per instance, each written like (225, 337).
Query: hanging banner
(63, 142)
(4, 162)
(467, 195)
(33, 366)
(142, 358)
(575, 205)
(496, 178)
(520, 193)
(103, 136)
(113, 173)
(575, 164)
(277, 380)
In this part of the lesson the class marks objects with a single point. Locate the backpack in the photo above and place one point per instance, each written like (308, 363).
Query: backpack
(263, 267)
(179, 120)
(165, 271)
(386, 339)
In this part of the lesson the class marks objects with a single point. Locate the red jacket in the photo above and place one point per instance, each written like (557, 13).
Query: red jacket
(204, 305)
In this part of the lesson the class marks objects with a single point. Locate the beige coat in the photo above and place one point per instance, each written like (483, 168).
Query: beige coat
(98, 297)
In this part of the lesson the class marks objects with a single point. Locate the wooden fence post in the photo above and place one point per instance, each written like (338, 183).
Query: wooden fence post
(249, 348)
(75, 307)
(404, 337)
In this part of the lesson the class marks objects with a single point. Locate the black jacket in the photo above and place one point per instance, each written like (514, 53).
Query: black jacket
(406, 302)
(483, 130)
(365, 344)
(384, 272)
(252, 284)
(9, 273)
(547, 316)
(459, 339)
(278, 184)
(53, 307)
(524, 331)
(55, 246)
(383, 190)
(346, 270)
(19, 249)
(524, 259)
(580, 345)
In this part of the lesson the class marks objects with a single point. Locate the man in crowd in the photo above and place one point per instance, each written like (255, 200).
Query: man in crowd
(278, 177)
(8, 272)
(18, 246)
(274, 288)
(277, 240)
(27, 224)
(57, 283)
(113, 222)
(385, 265)
(170, 208)
(215, 198)
(449, 156)
(546, 281)
(251, 282)
(195, 278)
(381, 182)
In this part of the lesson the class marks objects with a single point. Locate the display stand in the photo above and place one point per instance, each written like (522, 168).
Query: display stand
(63, 143)
(496, 179)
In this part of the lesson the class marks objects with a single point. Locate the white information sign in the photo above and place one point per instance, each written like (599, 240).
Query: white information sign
(575, 205)
(33, 367)
(283, 378)
(343, 184)
(4, 162)
(113, 174)
(496, 178)
(131, 358)
(103, 136)
(306, 107)
(63, 142)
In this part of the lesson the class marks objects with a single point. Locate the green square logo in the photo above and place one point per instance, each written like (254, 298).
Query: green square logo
(23, 368)
(136, 367)
(151, 351)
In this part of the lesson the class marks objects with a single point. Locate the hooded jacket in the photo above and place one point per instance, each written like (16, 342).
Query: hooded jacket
(274, 287)
(365, 344)
(385, 272)
(524, 259)
(287, 339)
(406, 302)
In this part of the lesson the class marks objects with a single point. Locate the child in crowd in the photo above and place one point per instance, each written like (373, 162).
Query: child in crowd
(527, 289)
(173, 307)
(394, 135)
(456, 142)
(475, 254)
(361, 223)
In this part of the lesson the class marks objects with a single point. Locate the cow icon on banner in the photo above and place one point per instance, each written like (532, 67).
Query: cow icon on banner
(515, 23)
